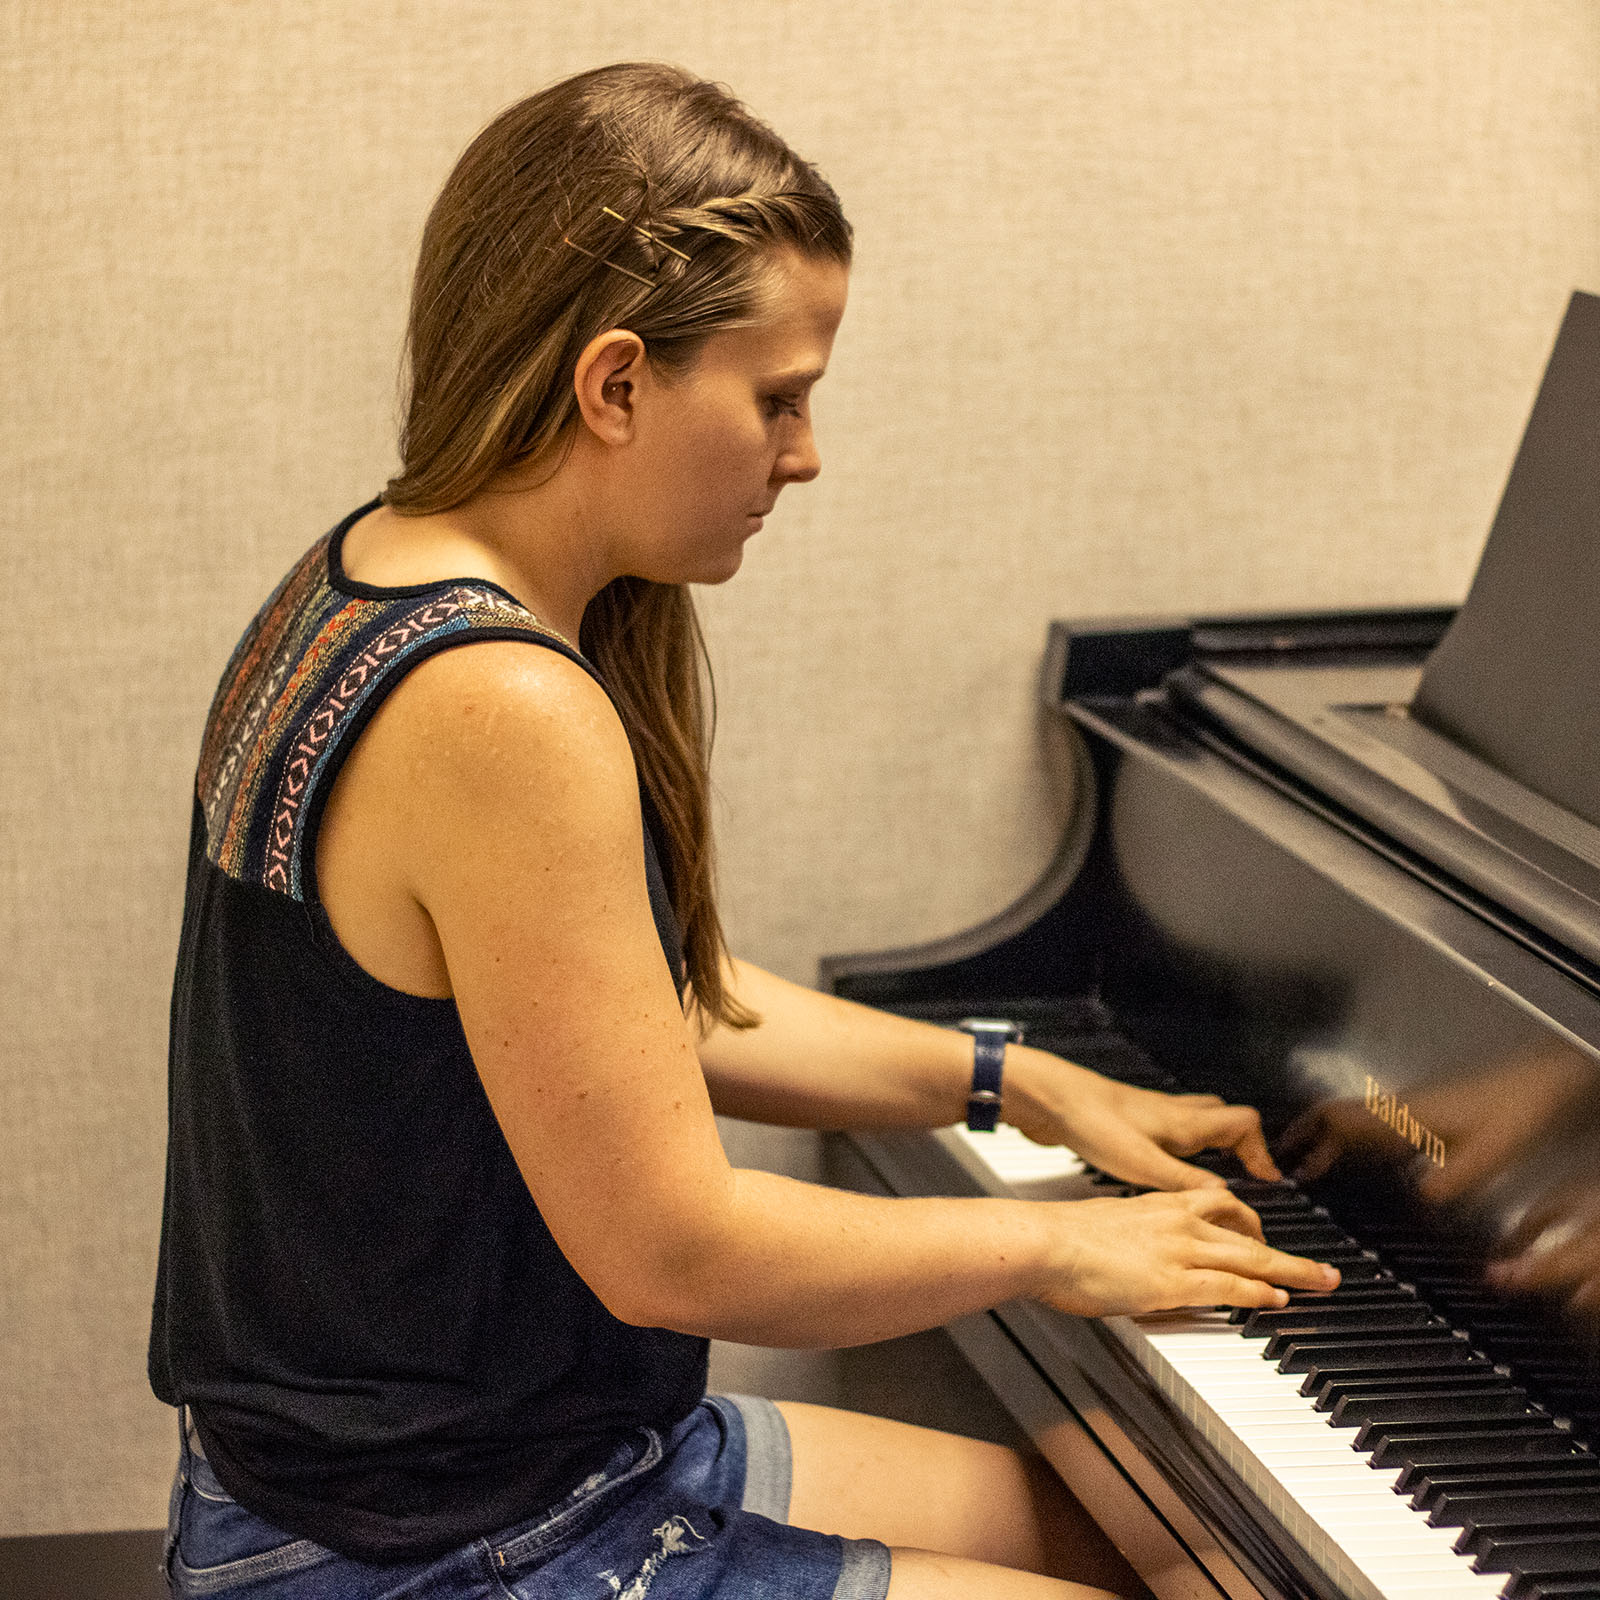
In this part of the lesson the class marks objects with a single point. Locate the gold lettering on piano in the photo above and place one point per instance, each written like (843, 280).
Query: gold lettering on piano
(1394, 1113)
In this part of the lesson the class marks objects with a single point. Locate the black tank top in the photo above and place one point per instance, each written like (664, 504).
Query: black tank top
(382, 1346)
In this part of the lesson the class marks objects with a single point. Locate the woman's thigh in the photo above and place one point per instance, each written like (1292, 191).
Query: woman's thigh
(928, 1494)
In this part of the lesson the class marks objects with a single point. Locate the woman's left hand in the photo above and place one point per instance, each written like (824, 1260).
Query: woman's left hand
(1134, 1134)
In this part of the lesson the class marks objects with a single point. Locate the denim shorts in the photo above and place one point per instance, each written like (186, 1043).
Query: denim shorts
(696, 1515)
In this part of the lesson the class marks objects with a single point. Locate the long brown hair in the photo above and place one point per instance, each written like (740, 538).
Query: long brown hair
(634, 196)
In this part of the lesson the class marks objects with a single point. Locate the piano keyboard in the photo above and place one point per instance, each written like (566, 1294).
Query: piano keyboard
(1404, 1463)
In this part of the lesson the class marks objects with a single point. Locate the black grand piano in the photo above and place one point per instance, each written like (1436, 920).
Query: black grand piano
(1346, 868)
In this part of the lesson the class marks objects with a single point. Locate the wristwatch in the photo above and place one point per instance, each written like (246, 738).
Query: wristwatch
(990, 1036)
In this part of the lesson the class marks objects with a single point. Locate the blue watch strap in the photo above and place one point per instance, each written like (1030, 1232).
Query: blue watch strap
(989, 1041)
(988, 1058)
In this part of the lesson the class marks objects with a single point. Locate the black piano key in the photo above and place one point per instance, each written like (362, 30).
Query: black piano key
(1556, 1555)
(1482, 1543)
(1422, 1457)
(1408, 1447)
(1347, 1294)
(1407, 1408)
(1428, 1491)
(1369, 1294)
(1303, 1226)
(1400, 1447)
(1337, 1255)
(1263, 1320)
(1314, 1243)
(1375, 1436)
(1563, 1589)
(1504, 1327)
(1488, 1304)
(1252, 1189)
(1365, 1335)
(1411, 1356)
(1513, 1515)
(1331, 1381)
(1454, 1380)
(1463, 1265)
(1484, 1547)
(1354, 1291)
(1573, 1371)
(1559, 1510)
(1532, 1346)
(1366, 1271)
(1368, 1288)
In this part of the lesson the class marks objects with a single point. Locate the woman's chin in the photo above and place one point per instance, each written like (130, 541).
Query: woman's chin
(720, 568)
(701, 566)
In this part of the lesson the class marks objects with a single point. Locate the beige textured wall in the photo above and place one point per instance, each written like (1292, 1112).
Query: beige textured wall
(1160, 304)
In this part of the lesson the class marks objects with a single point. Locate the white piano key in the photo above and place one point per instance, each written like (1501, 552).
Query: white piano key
(1342, 1512)
(1032, 1171)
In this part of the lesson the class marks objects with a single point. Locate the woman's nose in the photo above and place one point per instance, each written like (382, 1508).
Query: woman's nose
(801, 462)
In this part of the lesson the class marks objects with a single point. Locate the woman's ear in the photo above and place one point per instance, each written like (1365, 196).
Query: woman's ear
(606, 381)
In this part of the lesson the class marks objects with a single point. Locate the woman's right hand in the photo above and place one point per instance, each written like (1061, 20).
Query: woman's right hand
(1156, 1252)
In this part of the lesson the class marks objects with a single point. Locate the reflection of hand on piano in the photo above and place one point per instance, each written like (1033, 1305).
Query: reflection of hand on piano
(1555, 1249)
(1486, 1123)
(1490, 1121)
(1134, 1134)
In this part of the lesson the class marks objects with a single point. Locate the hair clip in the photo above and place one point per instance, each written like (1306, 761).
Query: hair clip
(627, 272)
(659, 243)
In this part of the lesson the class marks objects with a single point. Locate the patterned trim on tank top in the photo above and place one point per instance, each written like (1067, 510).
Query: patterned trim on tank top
(306, 666)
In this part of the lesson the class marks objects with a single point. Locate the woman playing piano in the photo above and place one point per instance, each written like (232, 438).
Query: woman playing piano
(448, 1224)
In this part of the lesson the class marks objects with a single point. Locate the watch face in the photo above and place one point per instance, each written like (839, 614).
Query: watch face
(993, 1027)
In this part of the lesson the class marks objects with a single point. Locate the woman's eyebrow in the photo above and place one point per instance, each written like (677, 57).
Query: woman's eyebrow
(798, 378)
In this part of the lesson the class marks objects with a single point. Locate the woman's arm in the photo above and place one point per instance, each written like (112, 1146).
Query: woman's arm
(514, 821)
(816, 1061)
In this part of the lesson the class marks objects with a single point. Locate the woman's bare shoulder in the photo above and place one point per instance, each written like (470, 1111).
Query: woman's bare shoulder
(493, 696)
(480, 732)
(489, 770)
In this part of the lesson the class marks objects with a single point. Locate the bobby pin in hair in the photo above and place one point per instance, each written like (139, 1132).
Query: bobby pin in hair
(627, 272)
(659, 243)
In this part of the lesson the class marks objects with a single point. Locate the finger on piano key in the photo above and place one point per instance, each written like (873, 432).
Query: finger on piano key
(1370, 1292)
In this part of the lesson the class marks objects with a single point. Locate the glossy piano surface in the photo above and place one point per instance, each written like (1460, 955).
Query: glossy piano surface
(1426, 1056)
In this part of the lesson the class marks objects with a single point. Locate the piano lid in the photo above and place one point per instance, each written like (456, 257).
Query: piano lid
(1347, 731)
(1515, 678)
(1483, 757)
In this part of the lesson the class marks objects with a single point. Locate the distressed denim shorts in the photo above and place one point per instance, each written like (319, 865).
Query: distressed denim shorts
(697, 1515)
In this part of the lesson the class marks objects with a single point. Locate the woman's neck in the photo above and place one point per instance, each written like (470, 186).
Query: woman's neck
(533, 540)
